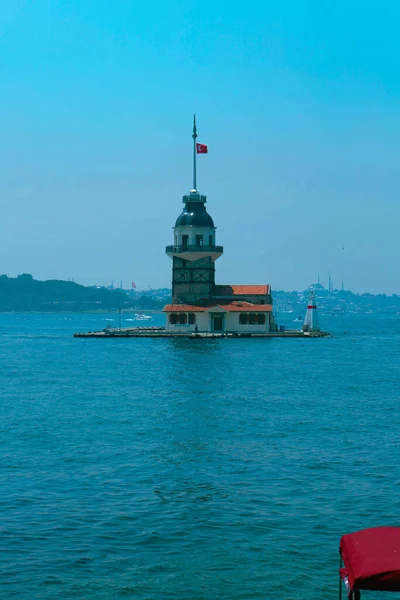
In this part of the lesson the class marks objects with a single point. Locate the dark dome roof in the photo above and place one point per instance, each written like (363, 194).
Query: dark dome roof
(194, 214)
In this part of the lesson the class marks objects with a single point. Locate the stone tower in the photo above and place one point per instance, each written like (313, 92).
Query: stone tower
(194, 251)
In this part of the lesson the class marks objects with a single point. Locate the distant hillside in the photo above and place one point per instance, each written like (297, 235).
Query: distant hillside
(24, 293)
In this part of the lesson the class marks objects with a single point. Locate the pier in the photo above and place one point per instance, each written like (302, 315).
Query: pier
(161, 332)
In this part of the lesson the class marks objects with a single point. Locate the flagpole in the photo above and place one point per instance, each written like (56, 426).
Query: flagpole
(194, 136)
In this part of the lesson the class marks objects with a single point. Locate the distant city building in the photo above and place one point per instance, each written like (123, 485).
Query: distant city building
(316, 287)
(198, 304)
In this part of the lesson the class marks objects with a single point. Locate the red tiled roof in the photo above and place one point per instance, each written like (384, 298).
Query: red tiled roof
(232, 307)
(184, 308)
(241, 290)
(246, 307)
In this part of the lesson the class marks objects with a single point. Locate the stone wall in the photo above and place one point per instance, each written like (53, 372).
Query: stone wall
(192, 280)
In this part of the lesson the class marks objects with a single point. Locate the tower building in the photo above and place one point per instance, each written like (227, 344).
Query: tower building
(199, 304)
(194, 251)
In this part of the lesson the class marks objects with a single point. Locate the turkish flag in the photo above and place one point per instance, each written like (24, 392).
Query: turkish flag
(201, 149)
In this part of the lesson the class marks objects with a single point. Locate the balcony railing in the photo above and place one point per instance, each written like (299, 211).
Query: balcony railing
(187, 248)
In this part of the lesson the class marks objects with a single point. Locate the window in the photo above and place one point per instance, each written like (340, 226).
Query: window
(172, 318)
(182, 319)
(185, 241)
(262, 301)
(210, 240)
(252, 319)
(199, 240)
(192, 318)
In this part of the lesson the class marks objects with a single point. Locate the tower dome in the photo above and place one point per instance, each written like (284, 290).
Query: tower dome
(194, 215)
(194, 230)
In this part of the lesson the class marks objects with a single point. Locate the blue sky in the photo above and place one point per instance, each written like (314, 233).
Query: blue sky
(297, 101)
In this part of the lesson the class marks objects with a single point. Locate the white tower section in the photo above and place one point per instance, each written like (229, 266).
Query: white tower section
(311, 322)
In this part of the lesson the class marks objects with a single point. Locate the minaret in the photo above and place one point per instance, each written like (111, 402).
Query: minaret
(311, 322)
(194, 251)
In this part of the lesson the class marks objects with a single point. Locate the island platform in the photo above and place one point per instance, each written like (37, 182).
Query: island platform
(201, 308)
(162, 332)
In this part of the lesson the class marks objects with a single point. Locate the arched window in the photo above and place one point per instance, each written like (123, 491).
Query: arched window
(172, 318)
(192, 319)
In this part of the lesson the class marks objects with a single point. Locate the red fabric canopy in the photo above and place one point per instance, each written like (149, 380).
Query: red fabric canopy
(372, 559)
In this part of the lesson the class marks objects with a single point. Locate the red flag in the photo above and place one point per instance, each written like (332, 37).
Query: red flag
(133, 285)
(201, 149)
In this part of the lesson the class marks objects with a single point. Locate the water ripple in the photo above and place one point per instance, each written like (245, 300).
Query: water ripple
(171, 469)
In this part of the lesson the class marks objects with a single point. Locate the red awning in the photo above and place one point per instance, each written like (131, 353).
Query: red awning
(372, 559)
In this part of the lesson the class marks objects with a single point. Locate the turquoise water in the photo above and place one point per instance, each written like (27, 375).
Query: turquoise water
(187, 470)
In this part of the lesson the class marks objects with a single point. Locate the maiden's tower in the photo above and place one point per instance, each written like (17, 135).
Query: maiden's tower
(198, 304)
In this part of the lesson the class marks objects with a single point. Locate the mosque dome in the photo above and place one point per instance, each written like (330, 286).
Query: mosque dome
(195, 215)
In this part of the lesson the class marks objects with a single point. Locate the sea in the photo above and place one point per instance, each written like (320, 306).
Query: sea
(176, 469)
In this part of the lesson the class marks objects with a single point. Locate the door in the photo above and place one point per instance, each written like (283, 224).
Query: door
(218, 323)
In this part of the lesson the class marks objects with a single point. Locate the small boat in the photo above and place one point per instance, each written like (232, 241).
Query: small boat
(139, 317)
(371, 560)
(298, 320)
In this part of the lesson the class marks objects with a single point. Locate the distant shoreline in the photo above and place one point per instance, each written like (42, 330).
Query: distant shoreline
(99, 311)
